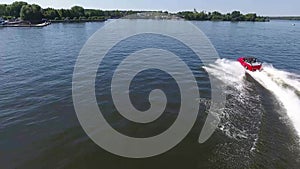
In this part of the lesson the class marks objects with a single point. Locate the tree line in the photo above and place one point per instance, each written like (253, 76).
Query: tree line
(33, 12)
(217, 16)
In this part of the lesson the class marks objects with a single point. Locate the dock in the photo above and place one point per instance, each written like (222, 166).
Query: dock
(26, 25)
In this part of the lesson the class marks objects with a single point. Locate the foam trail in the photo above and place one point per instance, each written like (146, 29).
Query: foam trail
(286, 87)
(233, 76)
(228, 71)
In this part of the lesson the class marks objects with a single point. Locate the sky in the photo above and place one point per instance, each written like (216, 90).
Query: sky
(261, 7)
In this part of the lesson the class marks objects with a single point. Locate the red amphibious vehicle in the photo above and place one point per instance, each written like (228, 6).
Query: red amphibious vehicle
(250, 63)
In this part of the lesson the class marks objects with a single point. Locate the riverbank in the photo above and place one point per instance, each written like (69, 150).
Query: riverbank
(78, 21)
(26, 25)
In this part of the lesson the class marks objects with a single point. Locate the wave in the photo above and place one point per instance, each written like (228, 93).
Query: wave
(236, 121)
(286, 88)
(228, 71)
(284, 85)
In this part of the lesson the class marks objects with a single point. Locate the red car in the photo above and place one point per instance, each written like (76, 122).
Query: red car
(250, 63)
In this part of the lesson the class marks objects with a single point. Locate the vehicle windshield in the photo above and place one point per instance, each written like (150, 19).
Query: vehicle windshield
(251, 60)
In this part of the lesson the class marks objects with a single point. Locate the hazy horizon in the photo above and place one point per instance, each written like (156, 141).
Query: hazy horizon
(277, 7)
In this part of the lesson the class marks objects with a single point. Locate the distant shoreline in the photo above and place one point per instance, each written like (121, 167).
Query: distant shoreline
(22, 14)
(35, 14)
(295, 18)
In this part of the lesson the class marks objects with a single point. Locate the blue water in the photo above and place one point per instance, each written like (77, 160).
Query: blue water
(39, 127)
(275, 42)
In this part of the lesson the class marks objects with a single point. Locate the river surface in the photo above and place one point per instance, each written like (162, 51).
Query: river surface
(259, 127)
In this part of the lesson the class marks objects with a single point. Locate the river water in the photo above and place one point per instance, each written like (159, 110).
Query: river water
(259, 126)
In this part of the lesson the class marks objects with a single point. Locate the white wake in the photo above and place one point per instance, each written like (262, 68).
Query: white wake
(228, 71)
(284, 85)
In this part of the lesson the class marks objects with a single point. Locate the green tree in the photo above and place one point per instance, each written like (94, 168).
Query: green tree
(236, 16)
(216, 16)
(2, 9)
(50, 13)
(8, 11)
(15, 8)
(201, 16)
(77, 11)
(63, 13)
(115, 14)
(93, 12)
(250, 17)
(227, 17)
(31, 13)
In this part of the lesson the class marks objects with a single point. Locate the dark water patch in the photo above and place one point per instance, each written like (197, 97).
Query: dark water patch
(278, 144)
